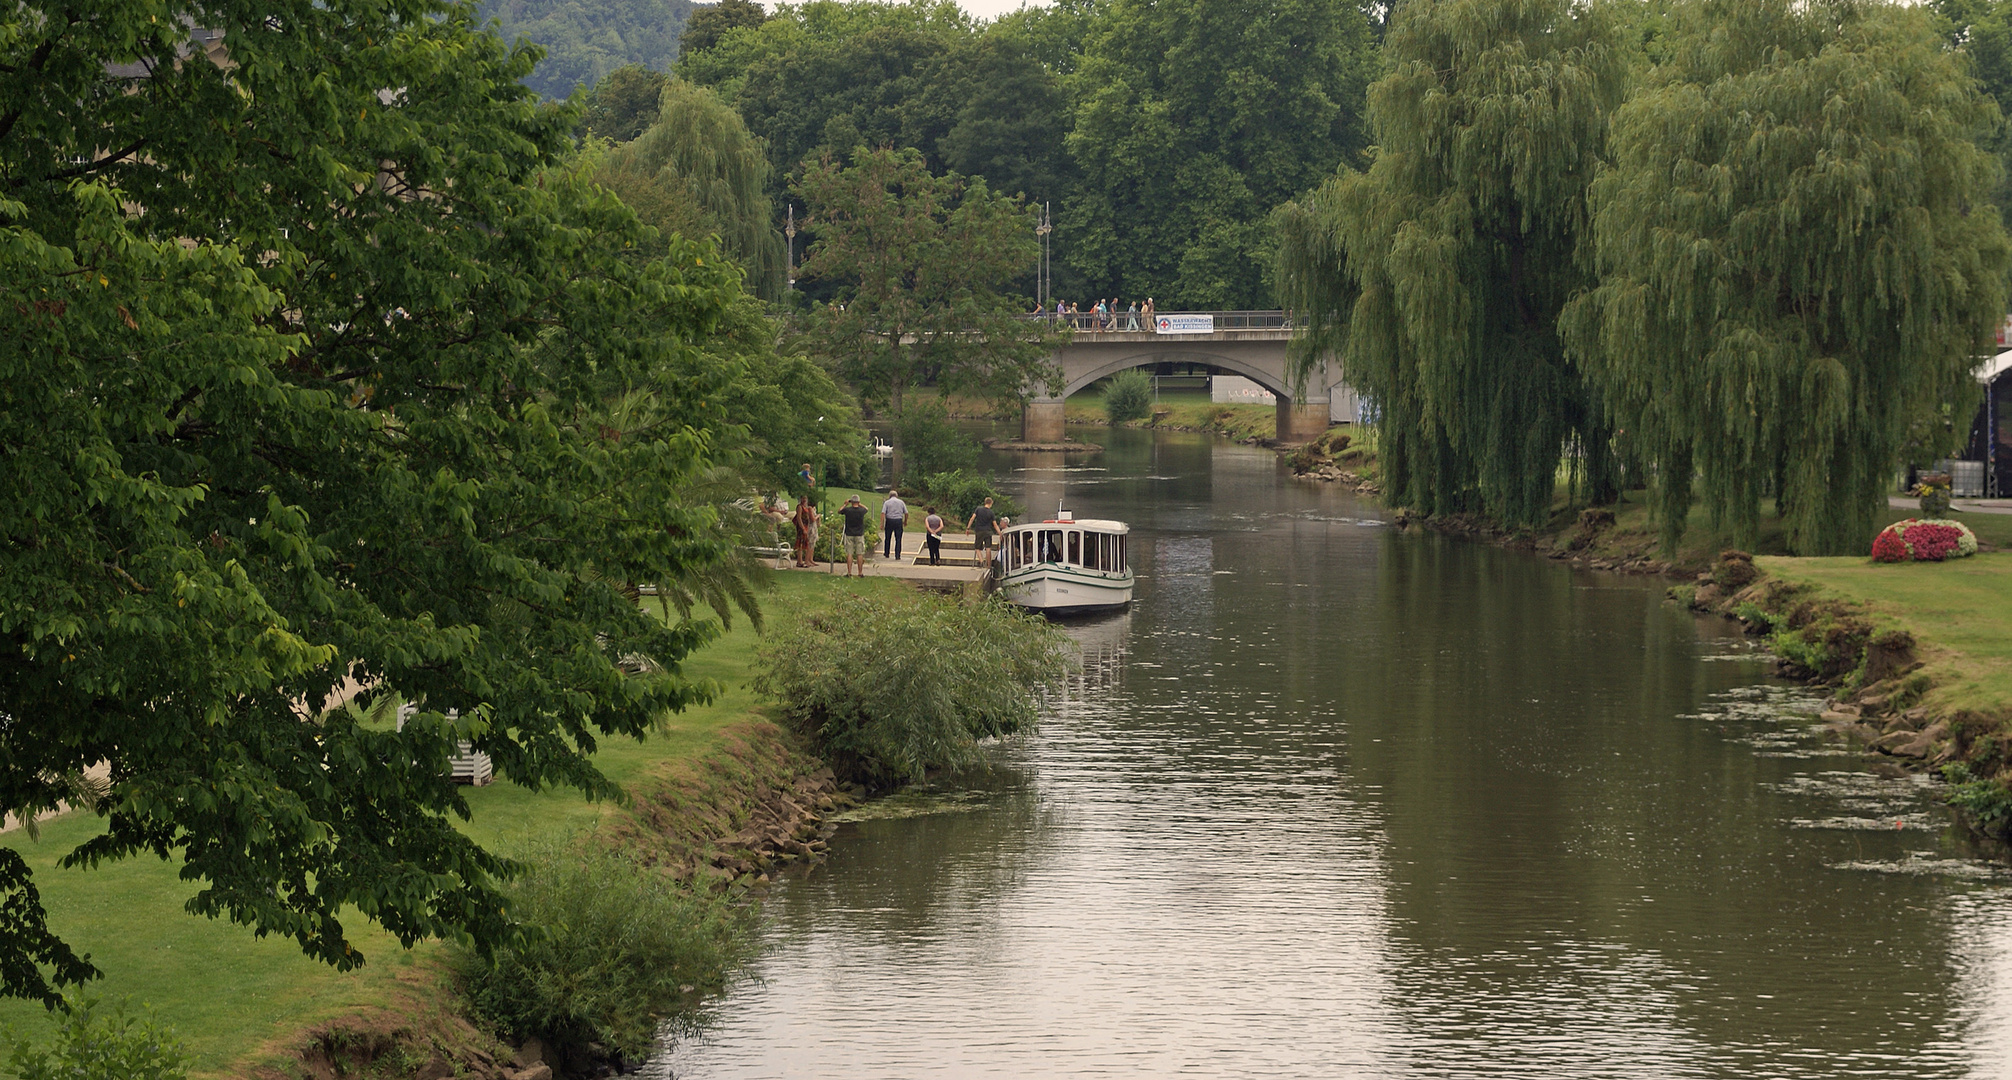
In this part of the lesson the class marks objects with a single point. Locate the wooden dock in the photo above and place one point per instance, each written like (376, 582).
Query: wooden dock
(959, 571)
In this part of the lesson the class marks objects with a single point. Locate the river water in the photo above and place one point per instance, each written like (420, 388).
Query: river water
(1335, 800)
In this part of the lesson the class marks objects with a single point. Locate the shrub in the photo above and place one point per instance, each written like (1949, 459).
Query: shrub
(887, 690)
(1735, 570)
(1129, 396)
(1986, 802)
(91, 1045)
(957, 494)
(612, 949)
(930, 443)
(1924, 540)
(1337, 442)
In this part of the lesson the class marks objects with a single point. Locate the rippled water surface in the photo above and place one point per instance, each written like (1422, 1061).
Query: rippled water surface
(1334, 800)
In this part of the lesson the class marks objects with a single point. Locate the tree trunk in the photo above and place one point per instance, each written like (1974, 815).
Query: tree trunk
(894, 410)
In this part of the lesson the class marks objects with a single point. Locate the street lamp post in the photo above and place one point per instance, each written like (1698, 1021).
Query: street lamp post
(789, 230)
(1046, 278)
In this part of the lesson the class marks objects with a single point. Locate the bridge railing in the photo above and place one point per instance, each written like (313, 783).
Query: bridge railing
(1141, 323)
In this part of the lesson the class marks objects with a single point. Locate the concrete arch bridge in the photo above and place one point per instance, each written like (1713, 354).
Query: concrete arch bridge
(1247, 343)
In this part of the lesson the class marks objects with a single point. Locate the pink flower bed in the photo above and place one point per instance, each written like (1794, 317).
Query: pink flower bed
(1923, 541)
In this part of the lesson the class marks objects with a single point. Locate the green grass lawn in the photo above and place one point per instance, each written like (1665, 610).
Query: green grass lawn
(232, 997)
(1960, 612)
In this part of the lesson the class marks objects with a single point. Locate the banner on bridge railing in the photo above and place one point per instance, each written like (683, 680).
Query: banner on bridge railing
(1184, 324)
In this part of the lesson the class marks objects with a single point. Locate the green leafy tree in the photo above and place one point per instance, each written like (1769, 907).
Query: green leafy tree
(585, 40)
(886, 712)
(810, 26)
(1790, 263)
(699, 144)
(933, 443)
(1128, 396)
(918, 261)
(1982, 30)
(624, 103)
(709, 23)
(620, 952)
(308, 381)
(1438, 275)
(1005, 113)
(1193, 121)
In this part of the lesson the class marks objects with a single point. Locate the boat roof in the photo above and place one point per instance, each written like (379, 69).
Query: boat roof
(1994, 367)
(1093, 524)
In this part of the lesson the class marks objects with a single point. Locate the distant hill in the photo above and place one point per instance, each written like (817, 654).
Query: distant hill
(586, 39)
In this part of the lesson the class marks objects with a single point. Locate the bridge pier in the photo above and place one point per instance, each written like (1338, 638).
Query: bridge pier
(1043, 421)
(1301, 421)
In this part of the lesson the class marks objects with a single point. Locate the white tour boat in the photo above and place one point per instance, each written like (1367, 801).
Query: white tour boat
(1063, 566)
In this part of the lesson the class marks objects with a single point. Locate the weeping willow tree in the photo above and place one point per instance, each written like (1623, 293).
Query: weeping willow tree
(1796, 257)
(1437, 276)
(700, 168)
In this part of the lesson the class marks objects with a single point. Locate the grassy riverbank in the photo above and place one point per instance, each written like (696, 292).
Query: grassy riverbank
(1959, 613)
(239, 1002)
(1624, 535)
(1918, 657)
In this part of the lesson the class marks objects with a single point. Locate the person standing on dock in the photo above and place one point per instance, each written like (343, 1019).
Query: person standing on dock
(933, 524)
(893, 515)
(854, 540)
(983, 522)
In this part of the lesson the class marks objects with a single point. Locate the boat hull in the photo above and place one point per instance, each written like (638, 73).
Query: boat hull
(1058, 590)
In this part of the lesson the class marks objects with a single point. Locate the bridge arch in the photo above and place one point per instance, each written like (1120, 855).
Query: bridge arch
(1258, 374)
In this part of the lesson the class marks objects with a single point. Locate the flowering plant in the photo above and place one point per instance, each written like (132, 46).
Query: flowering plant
(1924, 540)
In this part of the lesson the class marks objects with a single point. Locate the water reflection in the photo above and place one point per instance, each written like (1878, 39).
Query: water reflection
(1333, 800)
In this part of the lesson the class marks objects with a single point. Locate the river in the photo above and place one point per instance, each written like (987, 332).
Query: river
(1336, 800)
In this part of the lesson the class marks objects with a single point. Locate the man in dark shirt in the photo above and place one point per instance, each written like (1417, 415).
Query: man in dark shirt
(983, 524)
(854, 540)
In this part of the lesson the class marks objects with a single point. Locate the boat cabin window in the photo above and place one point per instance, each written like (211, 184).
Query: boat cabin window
(1051, 545)
(1075, 547)
(1090, 551)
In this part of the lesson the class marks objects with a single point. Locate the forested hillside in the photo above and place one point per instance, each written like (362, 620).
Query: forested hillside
(586, 39)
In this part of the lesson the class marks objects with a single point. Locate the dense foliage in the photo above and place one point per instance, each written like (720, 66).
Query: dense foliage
(616, 950)
(917, 261)
(1162, 134)
(95, 1043)
(1439, 273)
(891, 689)
(931, 442)
(1790, 271)
(1192, 120)
(311, 381)
(700, 165)
(959, 493)
(1128, 396)
(584, 40)
(1723, 249)
(624, 103)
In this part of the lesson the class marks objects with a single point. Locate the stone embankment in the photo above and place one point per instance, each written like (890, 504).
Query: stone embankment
(1875, 673)
(1331, 460)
